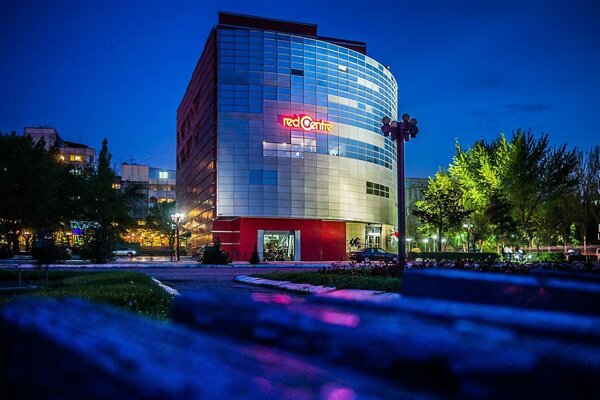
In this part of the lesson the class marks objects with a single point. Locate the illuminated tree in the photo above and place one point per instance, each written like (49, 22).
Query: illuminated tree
(535, 174)
(106, 209)
(442, 209)
(479, 171)
(159, 220)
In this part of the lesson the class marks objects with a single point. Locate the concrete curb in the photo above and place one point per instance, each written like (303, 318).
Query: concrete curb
(287, 285)
(344, 294)
(143, 265)
(168, 289)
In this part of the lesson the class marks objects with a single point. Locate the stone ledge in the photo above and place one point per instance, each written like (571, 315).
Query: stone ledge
(72, 349)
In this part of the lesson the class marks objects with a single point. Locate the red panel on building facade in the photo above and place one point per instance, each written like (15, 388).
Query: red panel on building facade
(319, 240)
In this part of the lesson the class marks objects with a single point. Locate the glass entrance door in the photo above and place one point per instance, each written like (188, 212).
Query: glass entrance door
(373, 235)
(278, 246)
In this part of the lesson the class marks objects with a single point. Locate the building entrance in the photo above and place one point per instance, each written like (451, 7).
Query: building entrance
(373, 235)
(278, 246)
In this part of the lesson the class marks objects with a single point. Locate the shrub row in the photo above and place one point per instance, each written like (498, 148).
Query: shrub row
(446, 255)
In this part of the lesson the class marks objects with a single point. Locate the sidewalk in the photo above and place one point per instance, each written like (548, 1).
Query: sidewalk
(324, 291)
(163, 262)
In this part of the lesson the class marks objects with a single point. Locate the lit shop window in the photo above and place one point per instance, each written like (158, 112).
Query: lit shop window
(75, 157)
(282, 150)
(163, 174)
(116, 186)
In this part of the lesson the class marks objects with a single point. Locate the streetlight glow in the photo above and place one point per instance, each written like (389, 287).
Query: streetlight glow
(177, 219)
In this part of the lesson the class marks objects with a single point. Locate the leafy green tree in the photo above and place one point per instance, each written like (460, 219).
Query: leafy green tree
(159, 220)
(442, 209)
(478, 171)
(106, 210)
(32, 186)
(534, 174)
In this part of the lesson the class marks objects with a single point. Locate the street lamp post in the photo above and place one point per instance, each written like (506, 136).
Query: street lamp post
(176, 218)
(400, 132)
(468, 229)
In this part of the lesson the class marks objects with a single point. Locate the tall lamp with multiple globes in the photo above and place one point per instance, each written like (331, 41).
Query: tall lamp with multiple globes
(177, 219)
(400, 132)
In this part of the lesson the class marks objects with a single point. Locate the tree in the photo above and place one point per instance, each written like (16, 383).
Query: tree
(106, 211)
(442, 210)
(159, 220)
(478, 171)
(556, 221)
(586, 204)
(32, 185)
(534, 174)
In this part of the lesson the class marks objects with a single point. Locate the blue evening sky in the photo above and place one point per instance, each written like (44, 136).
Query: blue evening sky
(465, 69)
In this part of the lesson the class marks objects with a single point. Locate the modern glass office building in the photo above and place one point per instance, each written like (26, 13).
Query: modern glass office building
(279, 145)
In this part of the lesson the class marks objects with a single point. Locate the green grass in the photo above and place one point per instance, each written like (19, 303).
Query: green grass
(339, 280)
(131, 291)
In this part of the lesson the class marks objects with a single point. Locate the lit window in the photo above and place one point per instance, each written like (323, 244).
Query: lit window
(75, 157)
(163, 174)
(116, 186)
(62, 158)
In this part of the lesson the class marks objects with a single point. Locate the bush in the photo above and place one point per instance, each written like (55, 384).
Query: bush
(255, 259)
(548, 257)
(577, 257)
(445, 255)
(5, 251)
(212, 254)
(46, 252)
(99, 252)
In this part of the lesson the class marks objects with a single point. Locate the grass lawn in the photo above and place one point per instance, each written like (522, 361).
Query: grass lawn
(338, 280)
(131, 291)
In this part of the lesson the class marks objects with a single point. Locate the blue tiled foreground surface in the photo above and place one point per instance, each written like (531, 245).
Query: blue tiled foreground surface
(452, 335)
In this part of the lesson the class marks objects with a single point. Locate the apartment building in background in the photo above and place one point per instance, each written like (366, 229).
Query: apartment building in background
(73, 153)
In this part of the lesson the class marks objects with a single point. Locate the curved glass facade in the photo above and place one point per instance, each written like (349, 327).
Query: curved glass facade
(267, 168)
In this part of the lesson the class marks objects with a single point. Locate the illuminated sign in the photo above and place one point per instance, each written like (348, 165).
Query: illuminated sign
(306, 123)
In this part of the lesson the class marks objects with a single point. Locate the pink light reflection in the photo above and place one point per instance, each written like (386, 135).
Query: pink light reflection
(334, 392)
(330, 316)
(340, 318)
(269, 298)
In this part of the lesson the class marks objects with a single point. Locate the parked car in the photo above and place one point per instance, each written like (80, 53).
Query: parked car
(369, 254)
(124, 251)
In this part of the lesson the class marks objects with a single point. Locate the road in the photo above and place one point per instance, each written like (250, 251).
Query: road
(188, 279)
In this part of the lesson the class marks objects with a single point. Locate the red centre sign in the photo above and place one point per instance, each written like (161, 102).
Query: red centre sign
(306, 123)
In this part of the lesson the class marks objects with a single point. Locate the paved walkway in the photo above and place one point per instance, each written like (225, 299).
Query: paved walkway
(164, 262)
(244, 267)
(345, 294)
